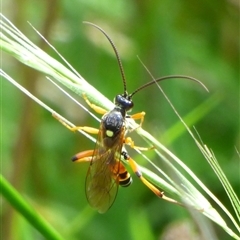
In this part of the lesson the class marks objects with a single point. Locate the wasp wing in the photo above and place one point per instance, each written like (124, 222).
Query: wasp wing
(102, 179)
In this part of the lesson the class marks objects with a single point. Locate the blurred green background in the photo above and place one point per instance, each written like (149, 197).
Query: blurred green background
(199, 39)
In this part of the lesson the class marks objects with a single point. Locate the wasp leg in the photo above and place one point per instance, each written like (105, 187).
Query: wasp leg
(136, 170)
(130, 142)
(62, 121)
(94, 107)
(137, 116)
(85, 129)
(73, 129)
(84, 156)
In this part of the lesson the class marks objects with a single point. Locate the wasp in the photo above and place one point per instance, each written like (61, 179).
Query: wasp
(106, 171)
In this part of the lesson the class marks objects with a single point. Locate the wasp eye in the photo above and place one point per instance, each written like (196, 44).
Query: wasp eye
(125, 102)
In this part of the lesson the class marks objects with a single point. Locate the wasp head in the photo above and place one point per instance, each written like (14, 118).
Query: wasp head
(124, 102)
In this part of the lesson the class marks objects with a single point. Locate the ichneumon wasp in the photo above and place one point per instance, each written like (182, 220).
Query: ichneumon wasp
(106, 171)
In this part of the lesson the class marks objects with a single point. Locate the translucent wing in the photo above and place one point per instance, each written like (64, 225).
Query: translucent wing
(102, 178)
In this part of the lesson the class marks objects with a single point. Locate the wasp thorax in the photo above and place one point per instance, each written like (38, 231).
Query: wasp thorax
(109, 133)
(123, 102)
(113, 122)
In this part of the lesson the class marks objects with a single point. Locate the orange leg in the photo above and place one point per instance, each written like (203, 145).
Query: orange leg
(137, 116)
(84, 156)
(130, 142)
(73, 129)
(136, 170)
(155, 190)
(84, 128)
(94, 107)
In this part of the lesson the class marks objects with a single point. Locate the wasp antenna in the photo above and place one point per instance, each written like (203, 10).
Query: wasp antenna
(168, 77)
(164, 78)
(116, 53)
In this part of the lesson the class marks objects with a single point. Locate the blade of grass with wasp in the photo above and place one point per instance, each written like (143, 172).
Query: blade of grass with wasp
(19, 46)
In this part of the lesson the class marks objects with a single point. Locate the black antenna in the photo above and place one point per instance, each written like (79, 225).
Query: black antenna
(116, 53)
(165, 78)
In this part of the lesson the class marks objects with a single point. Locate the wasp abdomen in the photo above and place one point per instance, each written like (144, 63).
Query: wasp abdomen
(125, 179)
